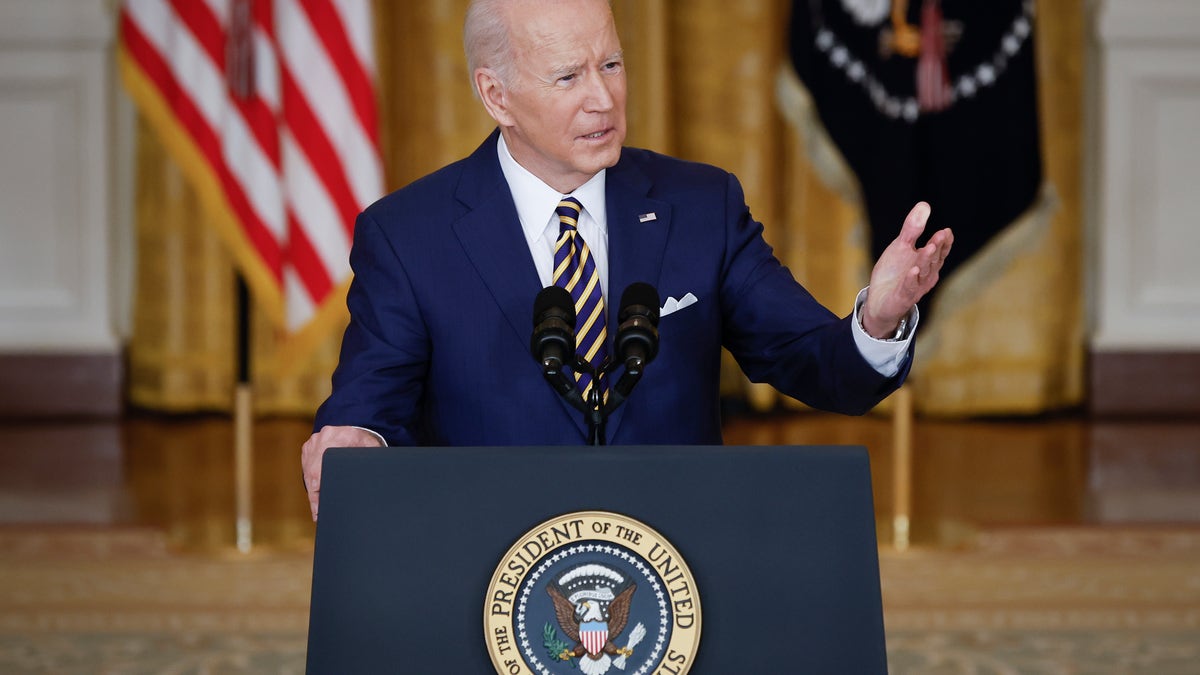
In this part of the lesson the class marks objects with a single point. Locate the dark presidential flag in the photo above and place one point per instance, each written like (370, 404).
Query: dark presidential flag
(927, 99)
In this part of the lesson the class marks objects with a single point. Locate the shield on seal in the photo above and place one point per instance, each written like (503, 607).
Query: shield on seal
(593, 635)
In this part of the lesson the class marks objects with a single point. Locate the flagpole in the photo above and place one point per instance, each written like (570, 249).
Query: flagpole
(243, 418)
(902, 442)
(239, 74)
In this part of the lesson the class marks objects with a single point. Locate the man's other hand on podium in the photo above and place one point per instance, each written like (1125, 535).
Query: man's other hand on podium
(313, 451)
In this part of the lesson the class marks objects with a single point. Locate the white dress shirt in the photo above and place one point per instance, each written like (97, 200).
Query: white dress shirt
(536, 203)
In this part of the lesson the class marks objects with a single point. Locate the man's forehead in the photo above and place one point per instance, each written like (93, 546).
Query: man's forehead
(562, 24)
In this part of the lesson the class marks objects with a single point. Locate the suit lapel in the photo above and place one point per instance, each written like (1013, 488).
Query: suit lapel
(491, 236)
(637, 239)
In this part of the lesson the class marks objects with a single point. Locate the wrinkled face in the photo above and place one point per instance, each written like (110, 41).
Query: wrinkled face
(563, 115)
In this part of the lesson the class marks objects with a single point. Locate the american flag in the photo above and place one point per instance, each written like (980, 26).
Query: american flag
(269, 108)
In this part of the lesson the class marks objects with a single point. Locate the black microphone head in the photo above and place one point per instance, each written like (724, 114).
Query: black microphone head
(554, 298)
(553, 339)
(637, 333)
(639, 298)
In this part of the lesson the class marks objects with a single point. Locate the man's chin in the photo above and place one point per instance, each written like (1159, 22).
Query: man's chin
(604, 157)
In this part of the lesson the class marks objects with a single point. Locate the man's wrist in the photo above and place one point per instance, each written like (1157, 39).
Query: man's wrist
(896, 332)
(887, 356)
(872, 328)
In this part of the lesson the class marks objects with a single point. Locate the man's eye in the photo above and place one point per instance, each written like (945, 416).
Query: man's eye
(613, 65)
(567, 78)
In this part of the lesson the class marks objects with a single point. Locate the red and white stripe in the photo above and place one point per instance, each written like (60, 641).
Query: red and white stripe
(298, 158)
(594, 639)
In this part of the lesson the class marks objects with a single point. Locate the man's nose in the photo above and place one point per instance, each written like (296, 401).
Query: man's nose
(600, 97)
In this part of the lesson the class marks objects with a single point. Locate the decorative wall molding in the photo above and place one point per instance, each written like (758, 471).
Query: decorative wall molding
(81, 24)
(1157, 22)
(1146, 155)
(55, 100)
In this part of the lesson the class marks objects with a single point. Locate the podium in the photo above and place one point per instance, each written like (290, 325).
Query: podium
(412, 544)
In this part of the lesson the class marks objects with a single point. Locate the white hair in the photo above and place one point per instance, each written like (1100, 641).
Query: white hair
(486, 40)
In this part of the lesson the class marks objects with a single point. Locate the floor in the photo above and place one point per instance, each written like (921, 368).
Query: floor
(1053, 546)
(175, 474)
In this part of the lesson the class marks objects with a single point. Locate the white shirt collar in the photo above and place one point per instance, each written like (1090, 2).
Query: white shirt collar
(536, 201)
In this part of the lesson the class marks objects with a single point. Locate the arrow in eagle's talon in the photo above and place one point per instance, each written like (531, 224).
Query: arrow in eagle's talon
(639, 632)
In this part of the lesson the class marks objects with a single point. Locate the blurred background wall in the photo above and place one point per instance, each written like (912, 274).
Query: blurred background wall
(113, 290)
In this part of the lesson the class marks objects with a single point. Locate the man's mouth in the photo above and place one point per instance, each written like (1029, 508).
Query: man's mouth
(595, 135)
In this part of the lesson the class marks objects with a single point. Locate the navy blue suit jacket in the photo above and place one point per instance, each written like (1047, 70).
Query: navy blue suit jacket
(437, 350)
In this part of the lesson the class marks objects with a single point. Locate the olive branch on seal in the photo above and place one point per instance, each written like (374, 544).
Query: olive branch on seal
(554, 646)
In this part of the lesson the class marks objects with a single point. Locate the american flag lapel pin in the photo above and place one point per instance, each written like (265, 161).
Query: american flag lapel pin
(647, 217)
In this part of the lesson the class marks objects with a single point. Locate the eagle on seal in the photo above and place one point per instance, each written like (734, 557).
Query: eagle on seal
(592, 626)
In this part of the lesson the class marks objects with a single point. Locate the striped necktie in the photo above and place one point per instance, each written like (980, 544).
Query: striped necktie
(575, 270)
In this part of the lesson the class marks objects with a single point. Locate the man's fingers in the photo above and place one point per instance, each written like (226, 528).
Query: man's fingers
(941, 241)
(915, 276)
(313, 450)
(914, 223)
(938, 247)
(310, 460)
(925, 263)
(312, 485)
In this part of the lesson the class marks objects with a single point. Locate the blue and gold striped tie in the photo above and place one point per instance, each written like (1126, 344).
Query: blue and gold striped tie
(575, 270)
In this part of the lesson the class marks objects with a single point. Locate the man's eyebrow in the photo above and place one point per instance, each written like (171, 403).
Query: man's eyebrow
(567, 69)
(564, 70)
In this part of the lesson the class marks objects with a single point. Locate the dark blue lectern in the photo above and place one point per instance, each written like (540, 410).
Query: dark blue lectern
(780, 540)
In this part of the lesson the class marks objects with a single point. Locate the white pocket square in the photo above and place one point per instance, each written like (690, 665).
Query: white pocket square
(672, 305)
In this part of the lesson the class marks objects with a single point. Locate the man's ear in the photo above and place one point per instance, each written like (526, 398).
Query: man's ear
(492, 92)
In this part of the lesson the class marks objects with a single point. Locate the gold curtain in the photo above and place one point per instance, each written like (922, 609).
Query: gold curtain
(701, 86)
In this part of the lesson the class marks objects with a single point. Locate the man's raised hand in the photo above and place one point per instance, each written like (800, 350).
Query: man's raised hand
(904, 274)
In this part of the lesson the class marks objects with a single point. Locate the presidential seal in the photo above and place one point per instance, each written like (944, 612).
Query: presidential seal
(594, 593)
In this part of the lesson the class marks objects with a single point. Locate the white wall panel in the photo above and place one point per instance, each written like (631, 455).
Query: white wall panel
(1147, 154)
(55, 205)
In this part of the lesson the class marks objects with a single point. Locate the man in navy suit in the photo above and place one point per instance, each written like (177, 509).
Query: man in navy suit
(447, 269)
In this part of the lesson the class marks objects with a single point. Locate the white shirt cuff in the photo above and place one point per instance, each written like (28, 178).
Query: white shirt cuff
(383, 441)
(885, 356)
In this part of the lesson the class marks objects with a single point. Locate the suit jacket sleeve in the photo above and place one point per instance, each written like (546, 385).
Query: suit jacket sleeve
(781, 335)
(380, 377)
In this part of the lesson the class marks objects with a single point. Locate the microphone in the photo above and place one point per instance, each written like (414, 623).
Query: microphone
(636, 343)
(637, 333)
(553, 341)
